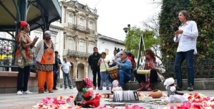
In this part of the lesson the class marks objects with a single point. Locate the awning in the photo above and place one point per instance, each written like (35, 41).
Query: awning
(39, 14)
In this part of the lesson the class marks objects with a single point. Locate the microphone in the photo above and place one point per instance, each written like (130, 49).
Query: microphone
(174, 28)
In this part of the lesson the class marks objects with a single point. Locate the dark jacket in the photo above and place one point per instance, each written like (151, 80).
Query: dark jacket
(93, 60)
(56, 65)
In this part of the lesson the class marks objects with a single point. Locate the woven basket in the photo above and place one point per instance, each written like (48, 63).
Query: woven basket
(113, 72)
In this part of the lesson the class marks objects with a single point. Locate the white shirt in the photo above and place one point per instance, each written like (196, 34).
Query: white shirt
(187, 40)
(66, 67)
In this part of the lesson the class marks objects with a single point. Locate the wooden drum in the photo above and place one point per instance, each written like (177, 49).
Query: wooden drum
(79, 85)
(113, 72)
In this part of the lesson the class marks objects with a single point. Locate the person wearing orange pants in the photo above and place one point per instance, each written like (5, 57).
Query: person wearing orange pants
(45, 60)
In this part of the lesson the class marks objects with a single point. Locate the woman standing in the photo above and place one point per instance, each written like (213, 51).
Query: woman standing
(147, 81)
(45, 59)
(24, 57)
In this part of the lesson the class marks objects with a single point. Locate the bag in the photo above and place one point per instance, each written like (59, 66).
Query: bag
(19, 61)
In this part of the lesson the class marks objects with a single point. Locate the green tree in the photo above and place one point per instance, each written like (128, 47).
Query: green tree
(133, 38)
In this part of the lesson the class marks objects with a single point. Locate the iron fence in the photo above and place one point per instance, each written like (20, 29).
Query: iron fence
(7, 47)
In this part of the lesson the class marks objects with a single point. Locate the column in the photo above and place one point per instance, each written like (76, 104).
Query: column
(65, 15)
(77, 42)
(74, 71)
(87, 19)
(87, 45)
(95, 25)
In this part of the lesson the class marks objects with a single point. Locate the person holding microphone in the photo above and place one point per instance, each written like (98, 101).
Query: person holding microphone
(186, 36)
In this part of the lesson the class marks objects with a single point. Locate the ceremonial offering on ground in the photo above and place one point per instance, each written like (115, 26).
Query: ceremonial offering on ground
(125, 96)
(56, 103)
(156, 94)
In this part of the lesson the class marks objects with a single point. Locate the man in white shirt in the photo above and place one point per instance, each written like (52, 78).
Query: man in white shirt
(186, 36)
(66, 68)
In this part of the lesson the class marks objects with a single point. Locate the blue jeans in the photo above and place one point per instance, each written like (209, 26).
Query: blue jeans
(180, 57)
(67, 75)
(124, 77)
(104, 78)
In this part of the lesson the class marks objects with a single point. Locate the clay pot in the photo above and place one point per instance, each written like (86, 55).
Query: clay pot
(156, 93)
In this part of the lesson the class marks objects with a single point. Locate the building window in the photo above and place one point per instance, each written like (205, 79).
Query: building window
(82, 46)
(90, 47)
(82, 22)
(71, 44)
(70, 20)
(91, 25)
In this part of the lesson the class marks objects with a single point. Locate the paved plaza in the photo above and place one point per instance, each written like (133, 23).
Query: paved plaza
(13, 101)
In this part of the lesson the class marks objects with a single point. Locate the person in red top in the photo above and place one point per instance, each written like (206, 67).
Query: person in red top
(131, 58)
(148, 80)
(24, 57)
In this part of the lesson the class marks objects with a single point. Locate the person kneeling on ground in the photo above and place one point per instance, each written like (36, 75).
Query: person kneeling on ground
(125, 67)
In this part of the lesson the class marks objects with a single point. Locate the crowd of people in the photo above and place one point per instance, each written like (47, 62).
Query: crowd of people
(48, 64)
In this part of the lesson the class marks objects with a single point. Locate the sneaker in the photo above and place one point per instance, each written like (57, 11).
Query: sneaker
(190, 88)
(71, 87)
(100, 88)
(107, 88)
(19, 92)
(27, 92)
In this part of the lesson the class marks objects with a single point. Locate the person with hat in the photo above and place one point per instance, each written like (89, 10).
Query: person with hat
(24, 57)
(125, 67)
(45, 59)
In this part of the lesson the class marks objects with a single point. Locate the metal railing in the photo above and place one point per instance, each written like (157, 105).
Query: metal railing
(91, 31)
(81, 28)
(7, 47)
(204, 68)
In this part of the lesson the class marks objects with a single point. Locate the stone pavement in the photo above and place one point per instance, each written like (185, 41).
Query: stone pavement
(13, 101)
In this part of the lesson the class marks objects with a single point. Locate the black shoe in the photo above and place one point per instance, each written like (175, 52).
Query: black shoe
(190, 88)
(65, 88)
(179, 88)
(71, 87)
(55, 89)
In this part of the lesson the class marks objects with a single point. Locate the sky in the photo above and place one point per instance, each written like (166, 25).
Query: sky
(114, 15)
